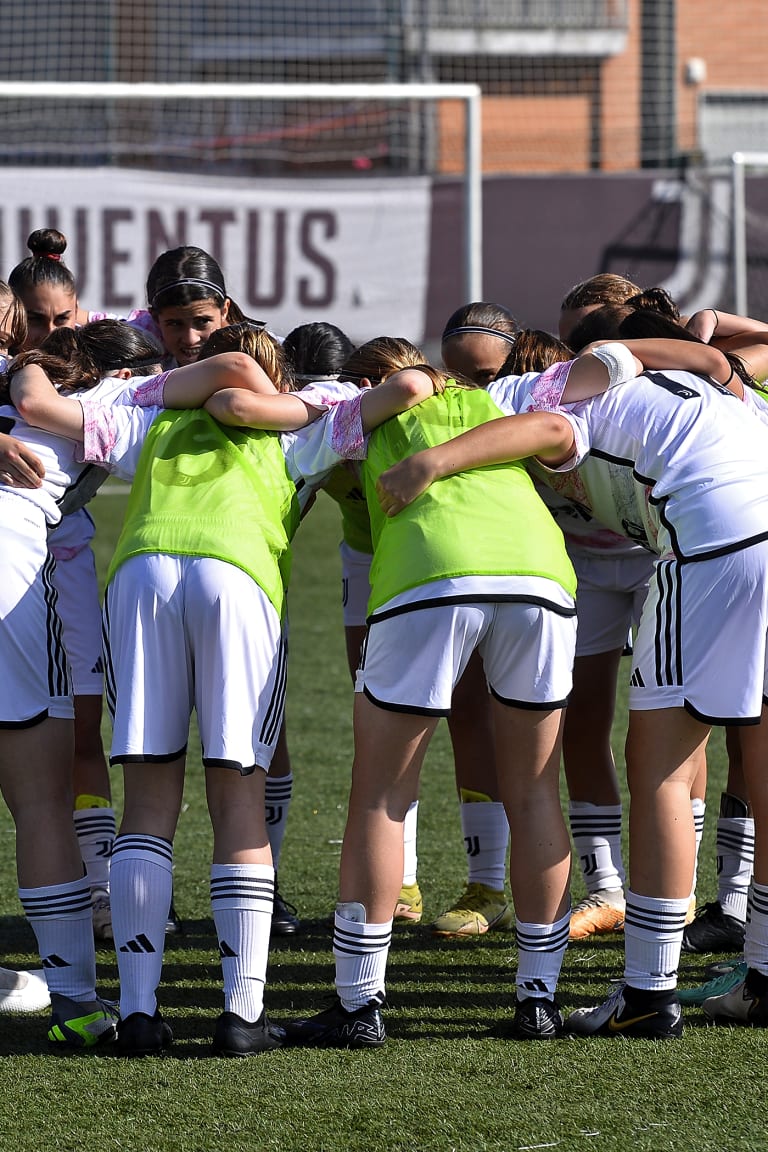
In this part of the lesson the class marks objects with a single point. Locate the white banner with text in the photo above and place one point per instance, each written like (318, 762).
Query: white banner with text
(354, 253)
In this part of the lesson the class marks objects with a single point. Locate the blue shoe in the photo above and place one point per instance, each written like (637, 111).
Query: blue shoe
(718, 986)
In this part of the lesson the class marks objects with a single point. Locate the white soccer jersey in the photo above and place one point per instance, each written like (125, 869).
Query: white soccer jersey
(698, 449)
(110, 421)
(600, 505)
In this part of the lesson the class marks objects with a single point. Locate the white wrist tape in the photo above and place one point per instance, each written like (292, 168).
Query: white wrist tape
(618, 360)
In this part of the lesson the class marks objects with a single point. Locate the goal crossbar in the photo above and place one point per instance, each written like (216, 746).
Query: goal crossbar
(468, 94)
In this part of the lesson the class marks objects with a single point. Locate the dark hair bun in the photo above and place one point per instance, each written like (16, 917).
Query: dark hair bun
(47, 242)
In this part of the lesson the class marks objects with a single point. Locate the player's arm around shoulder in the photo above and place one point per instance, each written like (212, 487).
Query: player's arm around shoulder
(41, 406)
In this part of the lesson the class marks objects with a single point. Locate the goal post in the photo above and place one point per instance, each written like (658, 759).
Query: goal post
(113, 95)
(741, 162)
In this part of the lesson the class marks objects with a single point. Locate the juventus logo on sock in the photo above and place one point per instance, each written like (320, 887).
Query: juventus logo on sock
(589, 863)
(473, 845)
(273, 813)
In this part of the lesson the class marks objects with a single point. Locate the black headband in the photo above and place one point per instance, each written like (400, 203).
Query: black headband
(216, 289)
(480, 328)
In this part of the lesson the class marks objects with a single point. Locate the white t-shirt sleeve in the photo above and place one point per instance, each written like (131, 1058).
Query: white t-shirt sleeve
(113, 436)
(531, 392)
(576, 417)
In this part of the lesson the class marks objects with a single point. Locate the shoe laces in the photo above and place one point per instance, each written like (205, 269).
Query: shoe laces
(280, 903)
(709, 910)
(726, 982)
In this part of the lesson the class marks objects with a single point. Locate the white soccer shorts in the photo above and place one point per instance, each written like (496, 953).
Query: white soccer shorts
(80, 611)
(184, 632)
(412, 660)
(34, 671)
(702, 642)
(610, 598)
(355, 585)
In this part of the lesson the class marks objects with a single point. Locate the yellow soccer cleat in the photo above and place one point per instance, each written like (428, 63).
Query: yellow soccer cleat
(410, 906)
(477, 911)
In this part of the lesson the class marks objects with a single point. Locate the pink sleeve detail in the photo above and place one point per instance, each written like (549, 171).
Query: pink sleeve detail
(547, 392)
(347, 436)
(142, 318)
(150, 395)
(99, 434)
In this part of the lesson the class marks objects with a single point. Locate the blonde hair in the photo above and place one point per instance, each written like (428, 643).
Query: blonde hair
(254, 340)
(381, 357)
(13, 320)
(603, 289)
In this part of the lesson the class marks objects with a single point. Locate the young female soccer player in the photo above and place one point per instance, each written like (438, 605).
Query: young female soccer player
(189, 589)
(478, 564)
(46, 288)
(187, 301)
(36, 716)
(700, 453)
(19, 991)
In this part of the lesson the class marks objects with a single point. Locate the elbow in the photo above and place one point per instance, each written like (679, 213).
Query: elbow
(237, 364)
(27, 409)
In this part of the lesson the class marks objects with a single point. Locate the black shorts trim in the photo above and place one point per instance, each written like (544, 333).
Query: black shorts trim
(489, 598)
(406, 708)
(32, 722)
(213, 762)
(527, 705)
(165, 758)
(721, 721)
(725, 549)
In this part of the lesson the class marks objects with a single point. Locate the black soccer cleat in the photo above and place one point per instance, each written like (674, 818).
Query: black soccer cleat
(633, 1013)
(536, 1019)
(285, 921)
(713, 931)
(338, 1028)
(234, 1036)
(143, 1035)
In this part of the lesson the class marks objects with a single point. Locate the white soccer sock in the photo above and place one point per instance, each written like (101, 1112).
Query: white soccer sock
(95, 829)
(278, 791)
(241, 899)
(653, 936)
(541, 948)
(486, 836)
(735, 860)
(60, 916)
(141, 885)
(361, 952)
(410, 829)
(596, 833)
(698, 808)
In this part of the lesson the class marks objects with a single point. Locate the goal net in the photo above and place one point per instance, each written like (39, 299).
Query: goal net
(315, 198)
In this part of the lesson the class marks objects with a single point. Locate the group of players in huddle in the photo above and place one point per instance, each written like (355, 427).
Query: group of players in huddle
(628, 461)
